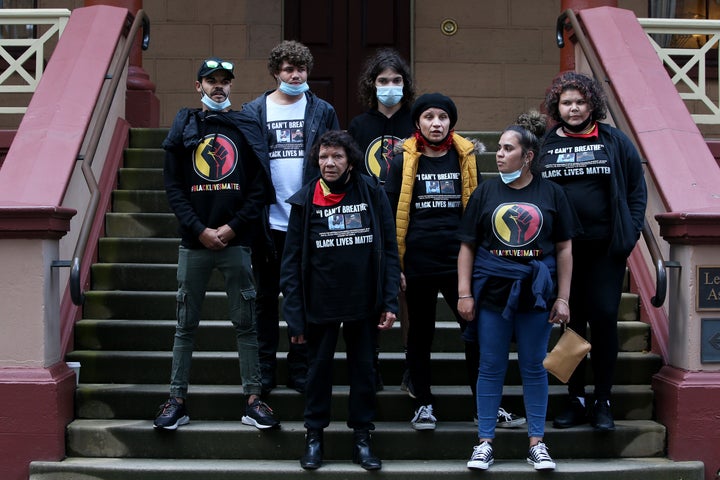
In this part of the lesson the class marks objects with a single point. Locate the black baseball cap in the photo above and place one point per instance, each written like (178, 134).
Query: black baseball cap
(213, 64)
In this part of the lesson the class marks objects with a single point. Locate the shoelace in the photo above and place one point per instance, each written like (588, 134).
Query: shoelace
(167, 407)
(426, 413)
(502, 413)
(482, 451)
(264, 408)
(540, 453)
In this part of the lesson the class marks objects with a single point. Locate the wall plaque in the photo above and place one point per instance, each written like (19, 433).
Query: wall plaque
(710, 346)
(708, 288)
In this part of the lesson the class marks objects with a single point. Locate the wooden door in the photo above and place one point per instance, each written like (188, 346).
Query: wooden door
(341, 34)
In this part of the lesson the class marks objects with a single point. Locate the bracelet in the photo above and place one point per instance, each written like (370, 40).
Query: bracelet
(562, 300)
(464, 296)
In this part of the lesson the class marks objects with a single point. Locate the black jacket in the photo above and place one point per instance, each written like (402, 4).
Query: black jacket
(383, 285)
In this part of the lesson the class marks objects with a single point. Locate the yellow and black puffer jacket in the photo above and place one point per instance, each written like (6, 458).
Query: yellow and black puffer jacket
(468, 174)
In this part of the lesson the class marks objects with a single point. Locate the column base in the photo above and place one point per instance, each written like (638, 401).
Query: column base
(688, 404)
(37, 404)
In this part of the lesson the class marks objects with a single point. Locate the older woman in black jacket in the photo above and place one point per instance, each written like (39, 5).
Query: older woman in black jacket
(340, 266)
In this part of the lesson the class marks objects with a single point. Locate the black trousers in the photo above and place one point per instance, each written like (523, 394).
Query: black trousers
(421, 294)
(595, 294)
(321, 341)
(266, 270)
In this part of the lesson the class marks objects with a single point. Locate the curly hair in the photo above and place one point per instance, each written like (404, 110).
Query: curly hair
(588, 87)
(294, 52)
(374, 65)
(337, 138)
(529, 127)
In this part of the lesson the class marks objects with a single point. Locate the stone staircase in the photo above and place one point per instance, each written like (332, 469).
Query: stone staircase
(124, 341)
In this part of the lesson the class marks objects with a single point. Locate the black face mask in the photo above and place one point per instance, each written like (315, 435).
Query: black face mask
(337, 186)
(577, 128)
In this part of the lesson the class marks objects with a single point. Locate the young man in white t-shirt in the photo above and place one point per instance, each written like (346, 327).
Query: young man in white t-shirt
(291, 119)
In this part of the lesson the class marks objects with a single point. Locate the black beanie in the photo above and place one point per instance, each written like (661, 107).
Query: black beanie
(436, 100)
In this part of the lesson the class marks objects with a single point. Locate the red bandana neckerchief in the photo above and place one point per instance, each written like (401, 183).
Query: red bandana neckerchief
(323, 197)
(591, 132)
(422, 142)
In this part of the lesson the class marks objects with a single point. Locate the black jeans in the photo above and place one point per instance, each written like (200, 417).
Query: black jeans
(321, 340)
(595, 293)
(421, 294)
(266, 268)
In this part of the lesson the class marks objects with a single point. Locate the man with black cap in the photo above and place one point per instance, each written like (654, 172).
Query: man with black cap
(217, 188)
(427, 219)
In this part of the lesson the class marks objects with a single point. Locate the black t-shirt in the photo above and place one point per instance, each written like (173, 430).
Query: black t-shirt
(340, 249)
(377, 136)
(431, 246)
(582, 167)
(518, 224)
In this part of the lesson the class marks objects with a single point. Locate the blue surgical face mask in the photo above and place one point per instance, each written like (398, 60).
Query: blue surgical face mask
(390, 95)
(213, 105)
(508, 178)
(293, 90)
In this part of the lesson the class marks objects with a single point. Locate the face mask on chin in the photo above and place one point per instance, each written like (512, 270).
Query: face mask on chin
(508, 178)
(213, 105)
(293, 90)
(389, 96)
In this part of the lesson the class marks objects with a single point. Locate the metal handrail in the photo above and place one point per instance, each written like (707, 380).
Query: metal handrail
(141, 19)
(648, 236)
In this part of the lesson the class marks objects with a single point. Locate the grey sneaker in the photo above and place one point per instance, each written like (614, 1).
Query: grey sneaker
(539, 457)
(509, 420)
(172, 415)
(258, 414)
(482, 457)
(424, 418)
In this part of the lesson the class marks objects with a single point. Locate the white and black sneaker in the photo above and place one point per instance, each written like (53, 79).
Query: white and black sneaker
(539, 457)
(506, 419)
(424, 418)
(482, 457)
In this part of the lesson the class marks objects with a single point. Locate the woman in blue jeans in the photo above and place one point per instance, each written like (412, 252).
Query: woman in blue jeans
(514, 270)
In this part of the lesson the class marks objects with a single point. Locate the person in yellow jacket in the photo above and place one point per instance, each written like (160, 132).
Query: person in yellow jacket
(428, 187)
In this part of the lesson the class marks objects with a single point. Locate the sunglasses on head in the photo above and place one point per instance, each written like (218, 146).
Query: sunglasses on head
(216, 64)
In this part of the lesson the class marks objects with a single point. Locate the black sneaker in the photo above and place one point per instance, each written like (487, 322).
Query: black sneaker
(506, 419)
(574, 414)
(482, 457)
(258, 414)
(539, 457)
(601, 417)
(172, 414)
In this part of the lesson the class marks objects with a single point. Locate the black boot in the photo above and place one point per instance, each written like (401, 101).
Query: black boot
(312, 458)
(362, 453)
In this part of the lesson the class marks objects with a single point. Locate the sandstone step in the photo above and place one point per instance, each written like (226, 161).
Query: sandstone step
(220, 402)
(147, 137)
(510, 469)
(392, 440)
(92, 334)
(218, 367)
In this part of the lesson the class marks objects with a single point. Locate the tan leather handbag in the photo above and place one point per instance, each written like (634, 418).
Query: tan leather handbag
(564, 358)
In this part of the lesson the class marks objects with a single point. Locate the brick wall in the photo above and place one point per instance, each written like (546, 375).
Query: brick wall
(497, 65)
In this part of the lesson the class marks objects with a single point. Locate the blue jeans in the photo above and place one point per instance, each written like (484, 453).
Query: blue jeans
(194, 269)
(532, 332)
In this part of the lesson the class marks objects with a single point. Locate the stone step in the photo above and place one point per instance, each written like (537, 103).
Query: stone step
(134, 225)
(147, 137)
(144, 158)
(507, 469)
(220, 402)
(219, 368)
(138, 250)
(136, 201)
(393, 440)
(92, 334)
(140, 179)
(160, 305)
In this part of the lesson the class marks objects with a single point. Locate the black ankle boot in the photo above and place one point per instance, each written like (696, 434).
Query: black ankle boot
(362, 453)
(312, 458)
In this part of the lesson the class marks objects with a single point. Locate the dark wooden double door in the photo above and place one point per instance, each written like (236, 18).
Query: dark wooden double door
(341, 34)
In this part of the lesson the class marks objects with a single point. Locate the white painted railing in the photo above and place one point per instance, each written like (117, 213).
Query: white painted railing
(685, 46)
(16, 78)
